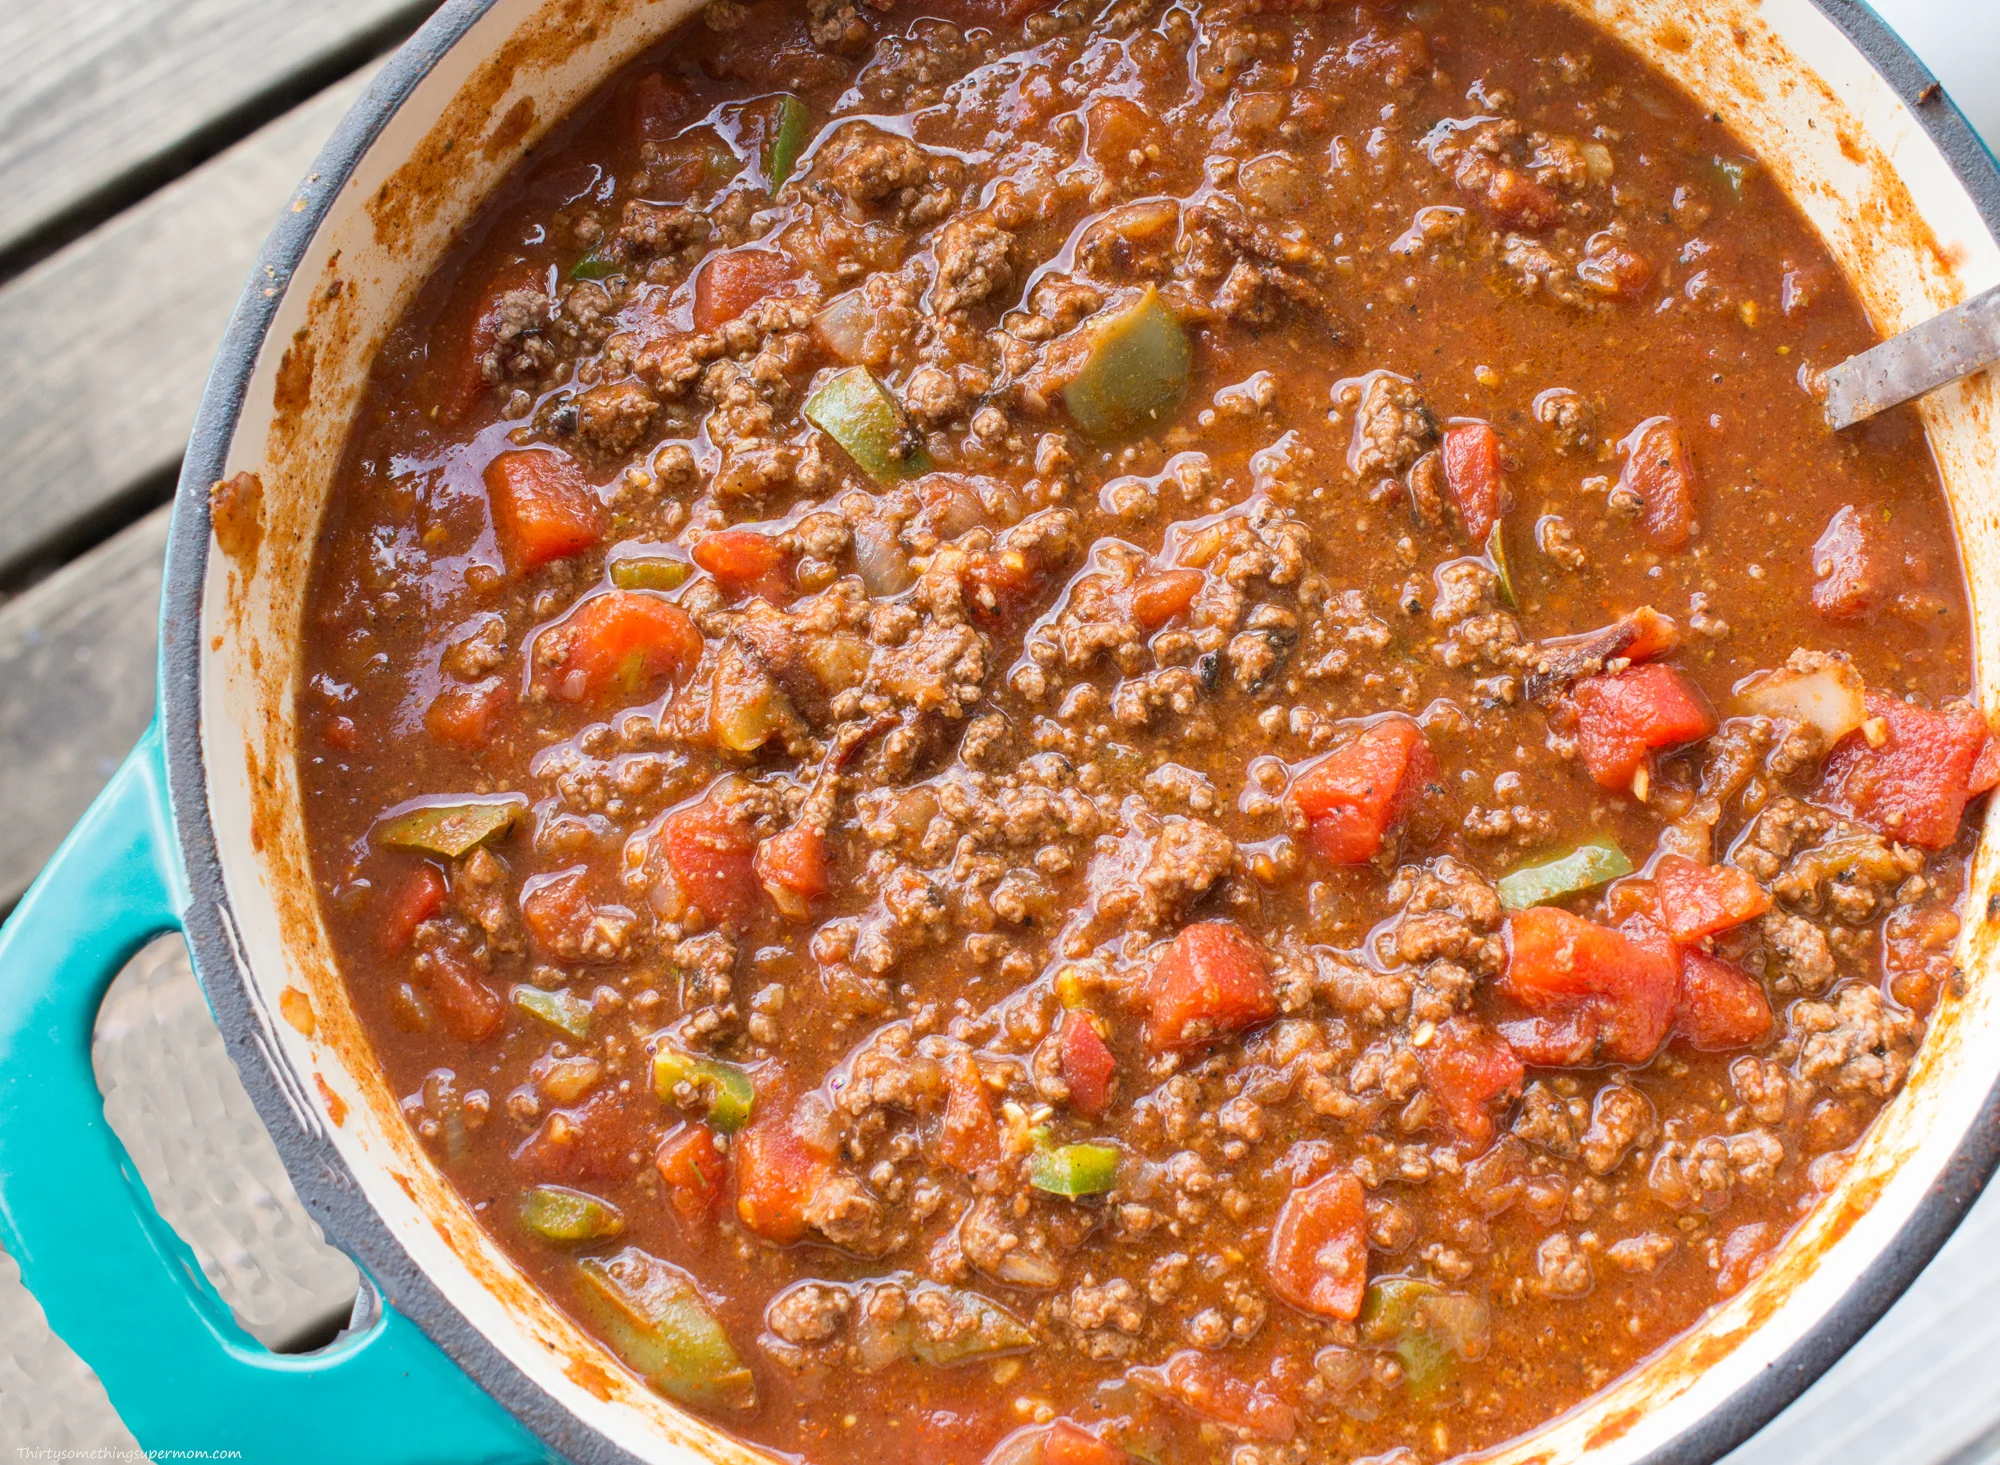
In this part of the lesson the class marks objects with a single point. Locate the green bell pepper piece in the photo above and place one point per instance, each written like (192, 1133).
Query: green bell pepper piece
(861, 414)
(1137, 371)
(656, 1321)
(650, 572)
(1074, 1170)
(1429, 1329)
(729, 1090)
(451, 829)
(993, 1330)
(560, 1009)
(596, 265)
(1496, 555)
(558, 1214)
(1592, 862)
(787, 141)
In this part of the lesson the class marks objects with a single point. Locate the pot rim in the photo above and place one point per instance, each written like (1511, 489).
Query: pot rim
(316, 1167)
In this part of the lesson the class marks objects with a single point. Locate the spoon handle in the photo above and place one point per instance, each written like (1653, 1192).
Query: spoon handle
(1910, 363)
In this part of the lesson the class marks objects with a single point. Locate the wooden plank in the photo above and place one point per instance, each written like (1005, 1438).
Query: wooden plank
(112, 336)
(107, 98)
(77, 662)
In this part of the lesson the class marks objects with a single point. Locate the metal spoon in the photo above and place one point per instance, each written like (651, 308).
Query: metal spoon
(1910, 363)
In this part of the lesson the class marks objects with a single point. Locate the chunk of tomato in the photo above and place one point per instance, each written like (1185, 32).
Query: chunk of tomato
(1318, 1256)
(1473, 475)
(476, 324)
(792, 867)
(1353, 796)
(623, 640)
(745, 560)
(695, 1175)
(1161, 595)
(1072, 1444)
(1699, 900)
(1208, 1389)
(1625, 716)
(543, 508)
(711, 857)
(417, 899)
(777, 1171)
(1915, 786)
(464, 716)
(1659, 470)
(969, 1139)
(731, 282)
(1721, 1007)
(1212, 981)
(465, 1004)
(1467, 1067)
(602, 1139)
(661, 106)
(1854, 570)
(1087, 1063)
(1626, 983)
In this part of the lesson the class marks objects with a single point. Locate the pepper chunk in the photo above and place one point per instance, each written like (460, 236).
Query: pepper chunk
(1609, 992)
(1353, 796)
(1700, 900)
(656, 1320)
(1431, 1330)
(1624, 717)
(864, 417)
(1317, 1259)
(543, 508)
(1212, 981)
(1591, 863)
(1134, 368)
(1914, 786)
(1074, 1170)
(726, 1093)
(557, 1213)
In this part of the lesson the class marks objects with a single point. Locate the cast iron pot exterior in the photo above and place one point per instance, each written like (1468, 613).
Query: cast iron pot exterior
(278, 1080)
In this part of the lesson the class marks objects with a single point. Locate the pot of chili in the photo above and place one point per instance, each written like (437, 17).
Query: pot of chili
(1062, 733)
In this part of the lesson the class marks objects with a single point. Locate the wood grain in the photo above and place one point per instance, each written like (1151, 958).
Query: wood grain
(77, 662)
(104, 96)
(112, 337)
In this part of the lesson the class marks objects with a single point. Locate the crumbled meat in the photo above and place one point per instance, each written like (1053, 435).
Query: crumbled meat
(1856, 1044)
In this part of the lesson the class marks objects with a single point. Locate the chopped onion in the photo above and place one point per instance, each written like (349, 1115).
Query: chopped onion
(842, 326)
(1828, 697)
(885, 569)
(1597, 158)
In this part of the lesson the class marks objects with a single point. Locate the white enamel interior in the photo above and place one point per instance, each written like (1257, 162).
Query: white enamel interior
(1798, 92)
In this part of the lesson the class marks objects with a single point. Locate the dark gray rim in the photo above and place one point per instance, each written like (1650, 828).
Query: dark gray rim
(326, 1185)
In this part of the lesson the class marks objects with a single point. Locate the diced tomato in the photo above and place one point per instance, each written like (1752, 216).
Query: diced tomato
(1213, 980)
(1163, 594)
(1205, 1387)
(602, 1138)
(1699, 900)
(1985, 773)
(417, 899)
(1854, 570)
(1570, 1040)
(468, 1007)
(1915, 786)
(1087, 1064)
(777, 1171)
(792, 868)
(1621, 718)
(622, 639)
(1658, 469)
(1628, 981)
(1072, 1444)
(729, 283)
(557, 910)
(712, 858)
(695, 1174)
(462, 381)
(340, 734)
(543, 508)
(745, 560)
(1318, 1256)
(1354, 795)
(969, 1139)
(1466, 1067)
(1472, 473)
(661, 105)
(1721, 1007)
(464, 716)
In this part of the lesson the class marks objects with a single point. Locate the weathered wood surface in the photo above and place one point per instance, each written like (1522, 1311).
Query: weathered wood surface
(111, 337)
(107, 98)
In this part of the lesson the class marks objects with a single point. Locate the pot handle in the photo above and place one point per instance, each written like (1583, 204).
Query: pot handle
(118, 1285)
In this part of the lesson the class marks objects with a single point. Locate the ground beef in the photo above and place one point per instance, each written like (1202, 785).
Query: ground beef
(1858, 1043)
